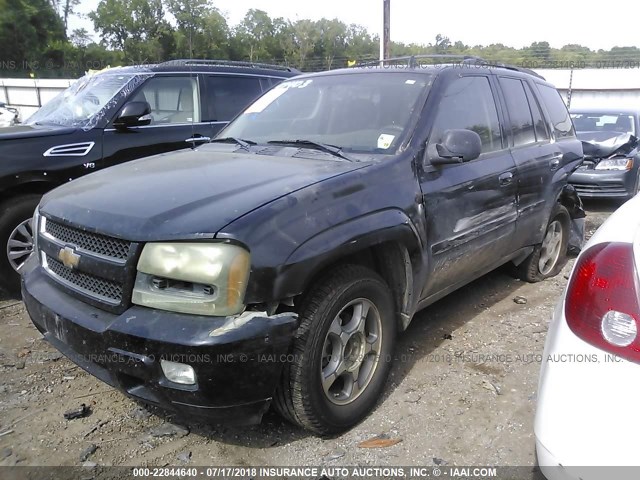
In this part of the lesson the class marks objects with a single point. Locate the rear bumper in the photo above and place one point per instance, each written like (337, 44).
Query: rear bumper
(585, 426)
(604, 183)
(237, 360)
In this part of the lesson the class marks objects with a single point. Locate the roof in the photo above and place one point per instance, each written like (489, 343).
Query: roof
(425, 69)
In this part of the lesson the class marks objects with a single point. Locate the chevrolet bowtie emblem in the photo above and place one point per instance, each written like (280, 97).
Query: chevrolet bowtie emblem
(69, 257)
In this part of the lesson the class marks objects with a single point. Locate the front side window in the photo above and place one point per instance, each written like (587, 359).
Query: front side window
(172, 99)
(468, 103)
(360, 112)
(604, 122)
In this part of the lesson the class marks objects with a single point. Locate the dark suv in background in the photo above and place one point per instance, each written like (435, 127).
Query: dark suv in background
(275, 265)
(112, 117)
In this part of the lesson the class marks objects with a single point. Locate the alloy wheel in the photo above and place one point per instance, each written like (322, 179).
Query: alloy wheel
(351, 351)
(20, 244)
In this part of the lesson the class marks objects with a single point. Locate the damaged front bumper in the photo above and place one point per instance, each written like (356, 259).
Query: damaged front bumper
(237, 360)
(591, 183)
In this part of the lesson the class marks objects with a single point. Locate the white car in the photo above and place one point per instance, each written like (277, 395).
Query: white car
(587, 421)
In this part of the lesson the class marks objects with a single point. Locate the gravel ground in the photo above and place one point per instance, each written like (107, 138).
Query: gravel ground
(462, 392)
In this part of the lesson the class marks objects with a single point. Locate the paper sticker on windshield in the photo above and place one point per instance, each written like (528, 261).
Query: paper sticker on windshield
(266, 100)
(385, 140)
(410, 82)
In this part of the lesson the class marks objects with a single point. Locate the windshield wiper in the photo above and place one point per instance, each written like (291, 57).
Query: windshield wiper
(323, 147)
(243, 143)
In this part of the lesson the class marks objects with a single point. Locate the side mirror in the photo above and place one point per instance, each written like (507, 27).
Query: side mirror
(457, 146)
(133, 114)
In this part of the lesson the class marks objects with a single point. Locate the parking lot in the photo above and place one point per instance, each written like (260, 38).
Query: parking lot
(462, 392)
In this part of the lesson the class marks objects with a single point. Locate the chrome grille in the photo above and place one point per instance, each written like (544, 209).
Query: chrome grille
(97, 268)
(87, 283)
(91, 242)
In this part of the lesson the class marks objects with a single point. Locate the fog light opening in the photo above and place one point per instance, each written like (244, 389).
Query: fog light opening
(618, 328)
(178, 372)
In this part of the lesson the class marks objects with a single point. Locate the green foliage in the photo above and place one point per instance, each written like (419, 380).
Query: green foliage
(29, 34)
(132, 32)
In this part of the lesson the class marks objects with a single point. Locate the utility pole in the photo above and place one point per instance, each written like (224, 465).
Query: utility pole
(385, 40)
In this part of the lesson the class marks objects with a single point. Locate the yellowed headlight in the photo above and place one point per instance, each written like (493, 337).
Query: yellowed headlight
(197, 278)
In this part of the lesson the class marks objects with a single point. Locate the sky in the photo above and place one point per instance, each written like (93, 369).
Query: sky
(471, 22)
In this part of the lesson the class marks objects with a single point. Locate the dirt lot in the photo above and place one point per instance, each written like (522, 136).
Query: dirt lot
(462, 392)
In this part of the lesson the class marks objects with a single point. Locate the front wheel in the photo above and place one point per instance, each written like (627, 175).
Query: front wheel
(548, 258)
(16, 236)
(341, 353)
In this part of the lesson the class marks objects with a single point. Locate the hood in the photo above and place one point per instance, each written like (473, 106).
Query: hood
(33, 131)
(185, 194)
(606, 144)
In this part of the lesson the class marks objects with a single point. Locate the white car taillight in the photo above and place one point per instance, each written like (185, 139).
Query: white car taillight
(601, 305)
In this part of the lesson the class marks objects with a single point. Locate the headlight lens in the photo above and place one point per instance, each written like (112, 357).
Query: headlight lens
(615, 164)
(197, 278)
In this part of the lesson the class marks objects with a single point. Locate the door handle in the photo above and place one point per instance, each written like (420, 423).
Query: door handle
(198, 139)
(505, 179)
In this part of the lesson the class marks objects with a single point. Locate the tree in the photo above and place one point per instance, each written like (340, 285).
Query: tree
(255, 35)
(28, 29)
(136, 27)
(80, 38)
(64, 9)
(202, 30)
(360, 45)
(332, 40)
(305, 37)
(442, 44)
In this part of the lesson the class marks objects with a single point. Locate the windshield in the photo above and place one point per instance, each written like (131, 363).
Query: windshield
(85, 102)
(604, 122)
(360, 112)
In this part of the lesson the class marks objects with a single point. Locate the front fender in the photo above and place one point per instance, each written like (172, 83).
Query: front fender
(342, 240)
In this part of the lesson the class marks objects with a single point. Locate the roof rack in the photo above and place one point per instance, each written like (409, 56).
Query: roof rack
(411, 61)
(226, 63)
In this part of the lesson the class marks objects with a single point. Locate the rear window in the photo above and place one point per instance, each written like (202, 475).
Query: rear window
(560, 119)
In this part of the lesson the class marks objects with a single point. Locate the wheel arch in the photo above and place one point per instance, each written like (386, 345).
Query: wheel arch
(392, 250)
(30, 187)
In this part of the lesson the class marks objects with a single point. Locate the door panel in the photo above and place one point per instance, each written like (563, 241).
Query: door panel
(176, 121)
(471, 216)
(470, 207)
(536, 158)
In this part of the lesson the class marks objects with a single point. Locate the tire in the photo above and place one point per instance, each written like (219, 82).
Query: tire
(13, 214)
(329, 308)
(534, 268)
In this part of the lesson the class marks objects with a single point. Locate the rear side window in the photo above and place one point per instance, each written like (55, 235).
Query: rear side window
(560, 119)
(542, 133)
(519, 112)
(468, 103)
(227, 96)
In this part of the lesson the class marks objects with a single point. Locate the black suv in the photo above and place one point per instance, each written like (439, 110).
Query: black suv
(275, 265)
(111, 117)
